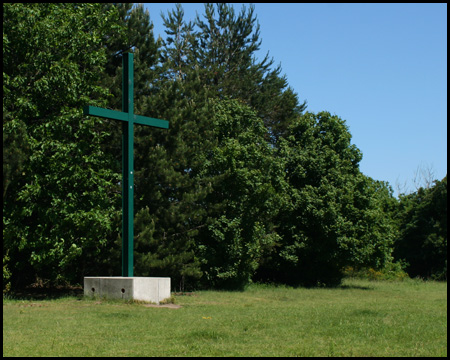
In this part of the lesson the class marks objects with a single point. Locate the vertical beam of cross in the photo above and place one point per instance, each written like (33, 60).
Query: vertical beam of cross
(127, 167)
(128, 119)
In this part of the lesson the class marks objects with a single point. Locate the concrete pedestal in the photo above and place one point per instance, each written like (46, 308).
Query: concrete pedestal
(150, 289)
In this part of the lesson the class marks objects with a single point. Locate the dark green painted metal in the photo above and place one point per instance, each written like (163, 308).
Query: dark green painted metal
(123, 116)
(129, 119)
(127, 166)
(105, 113)
(142, 120)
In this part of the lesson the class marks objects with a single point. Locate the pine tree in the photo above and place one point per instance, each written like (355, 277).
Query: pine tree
(226, 56)
(198, 67)
(165, 162)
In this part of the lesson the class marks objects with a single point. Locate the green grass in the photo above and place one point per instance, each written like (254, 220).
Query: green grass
(361, 318)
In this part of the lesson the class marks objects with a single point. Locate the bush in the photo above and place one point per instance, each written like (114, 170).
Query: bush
(392, 271)
(6, 274)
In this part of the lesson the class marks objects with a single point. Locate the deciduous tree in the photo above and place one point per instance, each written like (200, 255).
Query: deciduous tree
(422, 241)
(60, 193)
(335, 214)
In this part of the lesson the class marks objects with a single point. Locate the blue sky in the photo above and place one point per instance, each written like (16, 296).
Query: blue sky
(380, 67)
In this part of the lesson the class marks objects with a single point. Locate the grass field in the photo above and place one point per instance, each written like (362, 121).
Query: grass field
(361, 318)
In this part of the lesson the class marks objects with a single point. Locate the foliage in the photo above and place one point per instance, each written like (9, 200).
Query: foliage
(422, 241)
(6, 274)
(176, 183)
(335, 216)
(225, 56)
(243, 186)
(393, 271)
(59, 195)
(247, 187)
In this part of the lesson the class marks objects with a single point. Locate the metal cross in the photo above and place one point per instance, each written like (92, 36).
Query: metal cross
(128, 120)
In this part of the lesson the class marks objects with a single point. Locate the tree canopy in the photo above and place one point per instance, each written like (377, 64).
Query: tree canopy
(244, 186)
(422, 240)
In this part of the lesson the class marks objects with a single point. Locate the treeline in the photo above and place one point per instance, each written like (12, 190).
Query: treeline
(246, 185)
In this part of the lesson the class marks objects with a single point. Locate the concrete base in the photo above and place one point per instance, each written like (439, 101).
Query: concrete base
(150, 289)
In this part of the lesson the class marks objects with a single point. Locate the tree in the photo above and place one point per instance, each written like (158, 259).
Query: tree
(60, 193)
(423, 178)
(245, 195)
(173, 161)
(422, 241)
(136, 35)
(225, 54)
(242, 186)
(334, 216)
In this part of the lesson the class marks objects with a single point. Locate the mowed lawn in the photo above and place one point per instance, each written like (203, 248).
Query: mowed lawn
(360, 318)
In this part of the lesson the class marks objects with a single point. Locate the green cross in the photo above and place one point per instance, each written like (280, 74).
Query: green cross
(128, 120)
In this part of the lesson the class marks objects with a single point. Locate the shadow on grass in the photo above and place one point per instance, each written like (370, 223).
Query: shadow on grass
(355, 287)
(53, 293)
(340, 286)
(37, 294)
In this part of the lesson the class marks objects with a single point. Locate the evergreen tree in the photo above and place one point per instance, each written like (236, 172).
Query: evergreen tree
(175, 193)
(168, 192)
(226, 57)
(137, 37)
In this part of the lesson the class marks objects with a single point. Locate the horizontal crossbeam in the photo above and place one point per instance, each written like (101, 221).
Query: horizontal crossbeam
(123, 116)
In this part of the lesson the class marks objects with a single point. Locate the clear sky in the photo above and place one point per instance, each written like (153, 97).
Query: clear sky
(380, 67)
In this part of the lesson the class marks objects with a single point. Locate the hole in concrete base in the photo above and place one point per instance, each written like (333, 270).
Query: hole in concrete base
(93, 289)
(123, 291)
